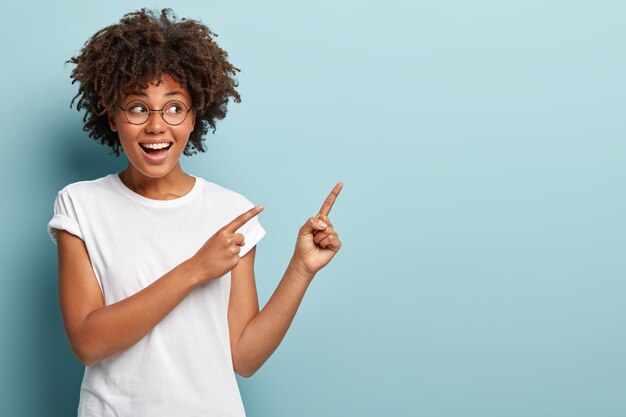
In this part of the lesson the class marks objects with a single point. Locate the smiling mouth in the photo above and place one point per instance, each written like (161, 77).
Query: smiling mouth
(155, 148)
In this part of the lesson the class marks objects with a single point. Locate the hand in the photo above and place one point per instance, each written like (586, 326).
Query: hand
(220, 253)
(317, 241)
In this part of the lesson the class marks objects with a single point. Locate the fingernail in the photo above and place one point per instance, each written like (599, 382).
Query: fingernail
(321, 224)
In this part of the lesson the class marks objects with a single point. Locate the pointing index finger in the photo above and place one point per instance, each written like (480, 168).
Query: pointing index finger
(242, 219)
(330, 200)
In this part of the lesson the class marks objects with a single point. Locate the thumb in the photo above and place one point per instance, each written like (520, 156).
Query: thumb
(312, 225)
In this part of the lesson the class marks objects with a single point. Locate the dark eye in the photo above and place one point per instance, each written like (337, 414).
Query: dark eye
(174, 107)
(136, 108)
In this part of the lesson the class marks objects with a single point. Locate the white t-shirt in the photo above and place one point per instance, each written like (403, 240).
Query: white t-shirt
(183, 367)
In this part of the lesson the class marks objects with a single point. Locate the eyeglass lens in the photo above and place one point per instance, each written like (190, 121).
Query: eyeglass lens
(174, 112)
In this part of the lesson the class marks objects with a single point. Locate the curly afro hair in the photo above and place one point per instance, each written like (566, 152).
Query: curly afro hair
(140, 49)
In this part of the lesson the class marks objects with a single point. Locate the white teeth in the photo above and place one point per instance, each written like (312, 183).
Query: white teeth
(155, 145)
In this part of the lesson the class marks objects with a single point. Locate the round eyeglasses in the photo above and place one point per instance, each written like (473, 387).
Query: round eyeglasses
(173, 112)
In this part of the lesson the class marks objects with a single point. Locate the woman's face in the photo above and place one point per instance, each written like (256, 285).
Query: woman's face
(154, 146)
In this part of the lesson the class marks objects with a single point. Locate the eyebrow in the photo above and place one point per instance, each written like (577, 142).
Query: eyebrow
(170, 94)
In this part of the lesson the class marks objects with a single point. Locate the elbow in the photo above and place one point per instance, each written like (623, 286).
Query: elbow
(85, 358)
(86, 343)
(246, 374)
(87, 361)
(246, 362)
(245, 367)
(85, 355)
(245, 371)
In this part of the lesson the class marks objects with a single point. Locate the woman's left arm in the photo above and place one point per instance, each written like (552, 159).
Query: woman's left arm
(254, 334)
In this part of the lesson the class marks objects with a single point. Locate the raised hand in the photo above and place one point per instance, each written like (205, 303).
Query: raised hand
(318, 242)
(220, 253)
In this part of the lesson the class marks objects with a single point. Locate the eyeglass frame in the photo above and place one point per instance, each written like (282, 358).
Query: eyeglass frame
(155, 110)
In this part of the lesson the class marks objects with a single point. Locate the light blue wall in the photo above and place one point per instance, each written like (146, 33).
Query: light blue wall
(482, 148)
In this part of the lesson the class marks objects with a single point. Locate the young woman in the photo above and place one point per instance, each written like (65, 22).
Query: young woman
(156, 266)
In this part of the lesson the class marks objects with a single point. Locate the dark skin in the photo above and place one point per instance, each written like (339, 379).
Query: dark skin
(158, 69)
(147, 45)
(97, 331)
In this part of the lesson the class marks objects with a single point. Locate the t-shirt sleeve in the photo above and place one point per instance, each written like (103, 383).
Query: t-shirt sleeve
(252, 231)
(64, 217)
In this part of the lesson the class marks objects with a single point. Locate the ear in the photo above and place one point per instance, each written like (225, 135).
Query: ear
(111, 122)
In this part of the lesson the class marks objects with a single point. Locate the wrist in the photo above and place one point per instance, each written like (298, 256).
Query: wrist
(299, 271)
(192, 272)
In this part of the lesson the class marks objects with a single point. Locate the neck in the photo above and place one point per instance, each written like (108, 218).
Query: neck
(174, 184)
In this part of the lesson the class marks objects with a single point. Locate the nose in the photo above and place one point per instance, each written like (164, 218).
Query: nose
(155, 123)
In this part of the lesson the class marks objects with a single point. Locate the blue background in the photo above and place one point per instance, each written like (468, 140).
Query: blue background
(482, 149)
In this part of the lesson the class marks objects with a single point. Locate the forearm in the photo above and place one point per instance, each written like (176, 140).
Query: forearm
(266, 330)
(115, 328)
(316, 244)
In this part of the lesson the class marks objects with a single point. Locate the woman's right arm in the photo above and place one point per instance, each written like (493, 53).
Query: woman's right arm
(96, 331)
